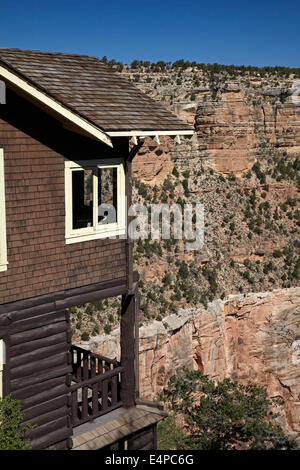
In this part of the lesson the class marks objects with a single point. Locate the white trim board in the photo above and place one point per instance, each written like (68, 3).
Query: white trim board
(3, 248)
(54, 105)
(2, 360)
(150, 133)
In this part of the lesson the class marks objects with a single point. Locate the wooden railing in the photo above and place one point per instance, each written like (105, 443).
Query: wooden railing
(86, 364)
(96, 390)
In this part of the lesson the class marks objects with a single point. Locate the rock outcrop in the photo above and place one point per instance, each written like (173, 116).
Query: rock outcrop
(254, 337)
(154, 163)
(231, 119)
(230, 128)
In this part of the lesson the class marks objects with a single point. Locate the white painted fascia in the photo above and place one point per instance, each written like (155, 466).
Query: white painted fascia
(3, 248)
(54, 105)
(150, 133)
(2, 361)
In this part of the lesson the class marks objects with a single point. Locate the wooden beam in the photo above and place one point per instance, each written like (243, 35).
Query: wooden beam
(135, 149)
(20, 309)
(128, 350)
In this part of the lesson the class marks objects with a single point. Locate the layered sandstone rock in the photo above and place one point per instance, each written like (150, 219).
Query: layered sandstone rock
(153, 163)
(254, 337)
(231, 128)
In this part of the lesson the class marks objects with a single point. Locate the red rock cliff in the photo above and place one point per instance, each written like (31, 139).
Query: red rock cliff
(254, 337)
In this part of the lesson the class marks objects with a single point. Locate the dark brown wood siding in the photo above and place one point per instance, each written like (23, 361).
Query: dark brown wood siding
(35, 147)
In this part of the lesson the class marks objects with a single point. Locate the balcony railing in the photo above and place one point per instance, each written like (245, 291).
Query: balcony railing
(96, 385)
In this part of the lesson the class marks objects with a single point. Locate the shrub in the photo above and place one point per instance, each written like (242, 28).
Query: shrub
(225, 415)
(260, 175)
(185, 185)
(183, 270)
(12, 431)
(89, 309)
(167, 185)
(168, 434)
(166, 280)
(85, 336)
(175, 172)
(95, 331)
(107, 328)
(98, 305)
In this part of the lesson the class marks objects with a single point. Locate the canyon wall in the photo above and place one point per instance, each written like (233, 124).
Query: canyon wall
(236, 128)
(253, 337)
(229, 130)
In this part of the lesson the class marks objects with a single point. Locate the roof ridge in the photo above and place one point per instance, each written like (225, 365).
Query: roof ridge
(15, 49)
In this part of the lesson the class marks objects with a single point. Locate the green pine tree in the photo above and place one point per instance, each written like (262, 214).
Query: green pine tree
(223, 416)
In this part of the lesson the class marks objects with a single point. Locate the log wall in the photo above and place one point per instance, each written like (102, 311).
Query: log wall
(38, 371)
(143, 440)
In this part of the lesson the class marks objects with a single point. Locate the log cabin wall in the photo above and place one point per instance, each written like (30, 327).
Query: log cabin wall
(35, 147)
(38, 370)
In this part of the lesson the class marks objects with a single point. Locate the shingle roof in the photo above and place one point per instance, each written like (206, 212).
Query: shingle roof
(92, 90)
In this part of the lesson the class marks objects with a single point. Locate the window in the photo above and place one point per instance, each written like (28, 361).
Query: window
(95, 199)
(3, 252)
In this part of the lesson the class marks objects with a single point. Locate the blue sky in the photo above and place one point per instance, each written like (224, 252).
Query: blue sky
(228, 32)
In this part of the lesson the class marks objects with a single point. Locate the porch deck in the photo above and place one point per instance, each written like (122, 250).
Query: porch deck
(118, 426)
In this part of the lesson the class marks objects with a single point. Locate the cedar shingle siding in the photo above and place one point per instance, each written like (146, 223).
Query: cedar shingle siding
(92, 89)
(40, 262)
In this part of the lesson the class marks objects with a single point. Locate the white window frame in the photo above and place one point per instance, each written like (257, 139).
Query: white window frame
(3, 247)
(97, 231)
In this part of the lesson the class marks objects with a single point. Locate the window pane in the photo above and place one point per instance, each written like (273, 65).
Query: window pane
(107, 195)
(82, 193)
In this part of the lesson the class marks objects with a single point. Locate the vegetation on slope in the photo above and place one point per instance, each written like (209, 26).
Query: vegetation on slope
(238, 213)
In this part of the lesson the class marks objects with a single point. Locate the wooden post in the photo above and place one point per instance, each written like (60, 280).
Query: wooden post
(128, 242)
(127, 350)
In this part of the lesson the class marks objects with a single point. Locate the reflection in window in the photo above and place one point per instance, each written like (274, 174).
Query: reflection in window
(82, 193)
(107, 195)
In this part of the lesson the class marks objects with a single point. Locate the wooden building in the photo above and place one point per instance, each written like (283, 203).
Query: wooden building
(66, 122)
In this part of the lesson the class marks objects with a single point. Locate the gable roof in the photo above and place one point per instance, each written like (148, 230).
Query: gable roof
(93, 91)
